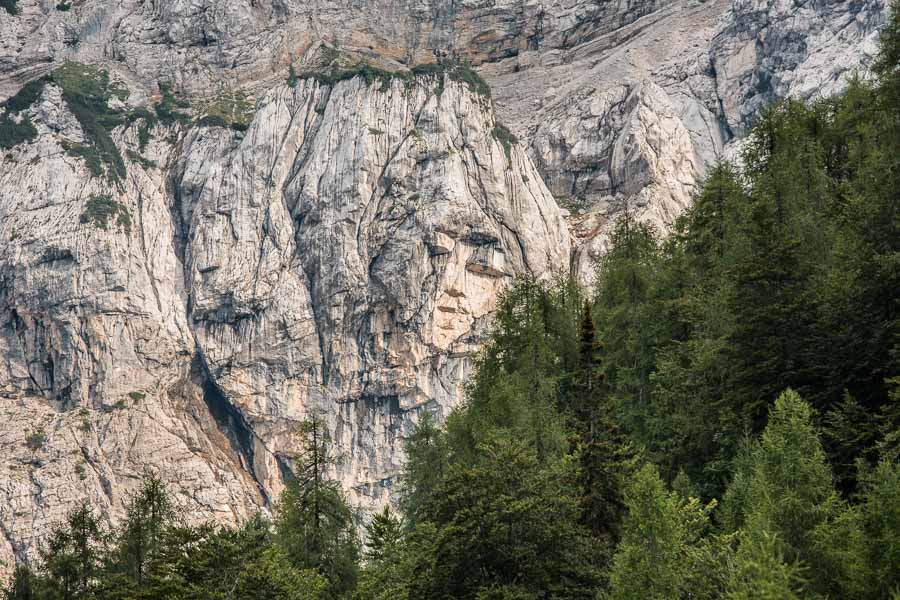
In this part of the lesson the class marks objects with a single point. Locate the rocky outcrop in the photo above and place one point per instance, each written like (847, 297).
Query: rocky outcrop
(701, 71)
(340, 249)
(341, 256)
(774, 48)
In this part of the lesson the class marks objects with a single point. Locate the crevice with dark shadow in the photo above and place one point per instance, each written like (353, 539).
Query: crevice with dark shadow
(230, 421)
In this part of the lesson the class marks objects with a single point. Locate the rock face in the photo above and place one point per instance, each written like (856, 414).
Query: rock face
(633, 117)
(341, 256)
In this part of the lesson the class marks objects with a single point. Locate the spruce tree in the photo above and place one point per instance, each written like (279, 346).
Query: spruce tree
(383, 536)
(708, 228)
(783, 491)
(880, 509)
(22, 586)
(790, 490)
(605, 454)
(509, 522)
(426, 461)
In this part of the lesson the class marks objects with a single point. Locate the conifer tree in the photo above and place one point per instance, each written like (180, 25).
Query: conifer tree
(605, 454)
(509, 521)
(762, 574)
(648, 563)
(628, 314)
(520, 373)
(72, 556)
(22, 586)
(880, 508)
(426, 461)
(709, 226)
(148, 513)
(314, 523)
(383, 535)
(790, 491)
(783, 491)
(767, 345)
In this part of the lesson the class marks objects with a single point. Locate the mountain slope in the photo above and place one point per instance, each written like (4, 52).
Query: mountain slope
(217, 249)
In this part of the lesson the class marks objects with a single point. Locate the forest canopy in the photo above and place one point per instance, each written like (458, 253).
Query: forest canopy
(719, 417)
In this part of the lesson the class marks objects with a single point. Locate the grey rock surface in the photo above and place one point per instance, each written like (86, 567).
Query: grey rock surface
(633, 117)
(341, 256)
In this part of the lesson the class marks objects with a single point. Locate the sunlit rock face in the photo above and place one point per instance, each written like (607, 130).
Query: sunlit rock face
(342, 254)
(340, 257)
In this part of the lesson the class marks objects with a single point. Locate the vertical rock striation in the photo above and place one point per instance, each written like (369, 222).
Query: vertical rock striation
(339, 249)
(341, 257)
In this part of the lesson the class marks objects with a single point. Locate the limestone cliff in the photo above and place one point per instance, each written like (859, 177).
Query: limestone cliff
(244, 247)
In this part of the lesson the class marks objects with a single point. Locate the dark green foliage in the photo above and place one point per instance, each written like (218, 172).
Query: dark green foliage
(167, 108)
(22, 586)
(231, 109)
(605, 454)
(63, 6)
(463, 72)
(100, 210)
(383, 535)
(72, 557)
(90, 155)
(87, 91)
(455, 71)
(522, 372)
(761, 573)
(367, 72)
(141, 535)
(150, 556)
(292, 76)
(9, 6)
(148, 123)
(751, 356)
(389, 563)
(213, 121)
(26, 96)
(314, 523)
(505, 137)
(35, 440)
(217, 562)
(785, 486)
(403, 571)
(427, 457)
(794, 523)
(16, 128)
(144, 162)
(850, 433)
(508, 521)
(783, 277)
(648, 562)
(880, 519)
(498, 490)
(667, 548)
(13, 133)
(428, 69)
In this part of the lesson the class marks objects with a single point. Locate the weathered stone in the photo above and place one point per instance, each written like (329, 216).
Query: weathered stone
(341, 256)
(266, 275)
